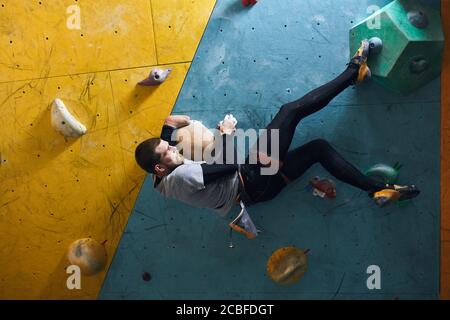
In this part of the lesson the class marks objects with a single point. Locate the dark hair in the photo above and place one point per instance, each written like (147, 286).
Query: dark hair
(145, 154)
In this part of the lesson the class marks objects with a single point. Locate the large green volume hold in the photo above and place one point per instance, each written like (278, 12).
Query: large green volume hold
(413, 43)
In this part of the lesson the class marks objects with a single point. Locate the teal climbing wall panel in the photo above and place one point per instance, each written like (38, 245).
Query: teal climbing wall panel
(250, 62)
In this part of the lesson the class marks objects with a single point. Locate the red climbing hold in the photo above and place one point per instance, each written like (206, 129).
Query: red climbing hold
(323, 188)
(247, 3)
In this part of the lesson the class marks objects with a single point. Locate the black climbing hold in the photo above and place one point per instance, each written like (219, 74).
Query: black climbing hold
(418, 65)
(418, 19)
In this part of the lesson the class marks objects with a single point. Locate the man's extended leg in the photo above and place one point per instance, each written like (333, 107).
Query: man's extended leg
(288, 118)
(290, 114)
(265, 187)
(300, 159)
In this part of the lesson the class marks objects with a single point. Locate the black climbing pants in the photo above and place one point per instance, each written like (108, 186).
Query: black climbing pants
(295, 162)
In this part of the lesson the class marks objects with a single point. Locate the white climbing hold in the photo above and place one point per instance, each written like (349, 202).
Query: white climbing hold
(228, 124)
(156, 77)
(64, 122)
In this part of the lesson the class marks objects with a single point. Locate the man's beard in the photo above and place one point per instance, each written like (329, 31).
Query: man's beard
(177, 159)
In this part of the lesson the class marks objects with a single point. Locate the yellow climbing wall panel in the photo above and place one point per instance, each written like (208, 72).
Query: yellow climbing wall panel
(179, 25)
(55, 190)
(41, 38)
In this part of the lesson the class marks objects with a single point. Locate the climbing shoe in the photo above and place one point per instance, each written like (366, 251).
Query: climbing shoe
(395, 193)
(360, 59)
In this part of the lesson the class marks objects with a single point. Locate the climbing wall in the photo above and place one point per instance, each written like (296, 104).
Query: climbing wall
(55, 190)
(250, 61)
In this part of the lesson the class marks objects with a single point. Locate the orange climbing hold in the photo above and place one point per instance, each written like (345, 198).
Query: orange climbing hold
(287, 265)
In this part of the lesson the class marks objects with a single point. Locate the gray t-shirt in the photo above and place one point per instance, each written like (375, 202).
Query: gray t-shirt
(185, 183)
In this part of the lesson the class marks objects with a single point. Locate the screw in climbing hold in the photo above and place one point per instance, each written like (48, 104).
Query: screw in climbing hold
(418, 19)
(384, 173)
(418, 65)
(156, 77)
(375, 45)
(324, 188)
(287, 265)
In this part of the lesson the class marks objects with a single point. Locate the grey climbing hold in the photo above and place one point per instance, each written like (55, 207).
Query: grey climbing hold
(375, 45)
(418, 19)
(156, 77)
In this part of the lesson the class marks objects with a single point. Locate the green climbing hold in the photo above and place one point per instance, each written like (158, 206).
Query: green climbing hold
(384, 173)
